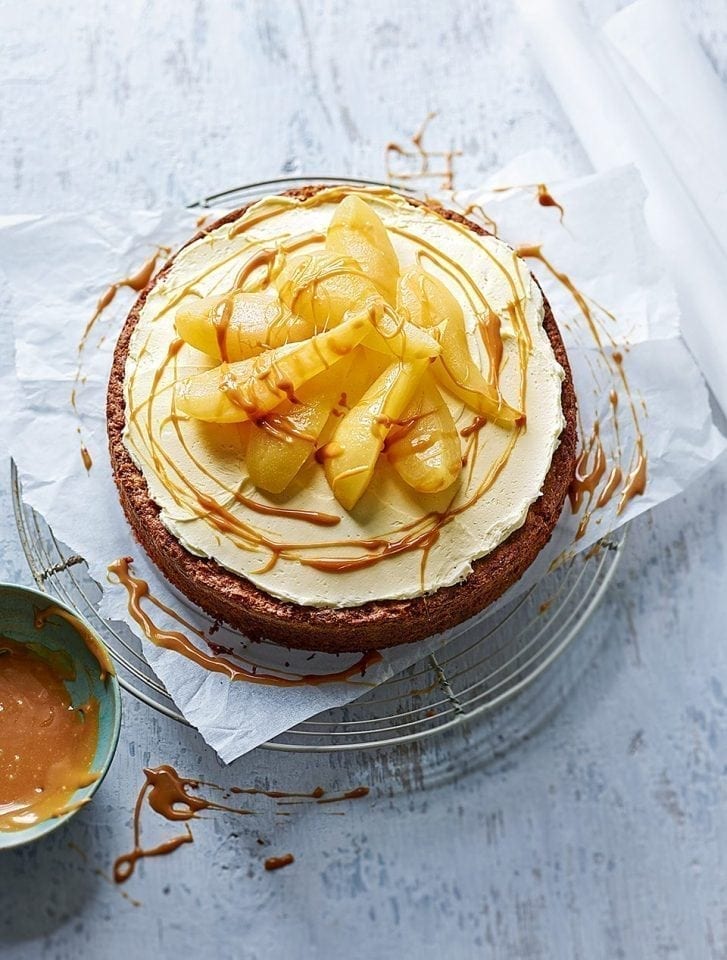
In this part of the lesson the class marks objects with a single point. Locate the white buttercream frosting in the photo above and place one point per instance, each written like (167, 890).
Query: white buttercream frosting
(177, 455)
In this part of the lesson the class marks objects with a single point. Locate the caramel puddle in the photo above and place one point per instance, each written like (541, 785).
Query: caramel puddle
(47, 746)
(170, 796)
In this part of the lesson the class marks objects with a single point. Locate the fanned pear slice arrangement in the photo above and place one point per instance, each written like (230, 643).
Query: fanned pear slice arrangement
(343, 358)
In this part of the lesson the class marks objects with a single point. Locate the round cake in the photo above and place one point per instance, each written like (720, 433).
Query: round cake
(342, 419)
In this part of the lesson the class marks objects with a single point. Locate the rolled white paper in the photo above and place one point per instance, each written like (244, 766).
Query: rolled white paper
(641, 90)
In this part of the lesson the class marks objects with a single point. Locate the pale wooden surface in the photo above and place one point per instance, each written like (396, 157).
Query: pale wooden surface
(604, 834)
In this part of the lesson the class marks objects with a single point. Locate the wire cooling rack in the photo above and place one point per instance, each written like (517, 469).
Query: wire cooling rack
(485, 664)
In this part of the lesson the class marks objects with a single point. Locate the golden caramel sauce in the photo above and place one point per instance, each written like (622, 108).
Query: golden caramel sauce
(477, 424)
(535, 252)
(546, 200)
(103, 875)
(480, 211)
(135, 281)
(86, 458)
(329, 451)
(489, 328)
(636, 480)
(611, 485)
(278, 794)
(590, 468)
(138, 589)
(592, 464)
(421, 541)
(223, 518)
(47, 745)
(170, 796)
(423, 158)
(276, 863)
(356, 794)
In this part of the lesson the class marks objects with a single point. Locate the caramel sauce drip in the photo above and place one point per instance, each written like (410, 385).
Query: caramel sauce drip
(588, 478)
(47, 746)
(390, 548)
(477, 424)
(356, 794)
(138, 589)
(489, 322)
(420, 534)
(135, 281)
(636, 480)
(423, 159)
(610, 486)
(590, 468)
(535, 252)
(546, 200)
(489, 327)
(279, 794)
(169, 795)
(329, 451)
(315, 517)
(276, 863)
(480, 211)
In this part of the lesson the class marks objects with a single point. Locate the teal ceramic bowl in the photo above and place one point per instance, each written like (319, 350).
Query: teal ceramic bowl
(29, 616)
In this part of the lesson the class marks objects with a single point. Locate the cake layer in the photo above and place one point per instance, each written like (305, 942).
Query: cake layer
(302, 546)
(336, 623)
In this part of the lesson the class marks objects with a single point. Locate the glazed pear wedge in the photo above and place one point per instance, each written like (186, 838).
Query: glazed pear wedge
(283, 441)
(351, 455)
(355, 231)
(424, 300)
(249, 389)
(425, 448)
(239, 325)
(320, 289)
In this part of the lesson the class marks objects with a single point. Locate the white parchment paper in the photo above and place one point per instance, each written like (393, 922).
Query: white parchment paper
(57, 267)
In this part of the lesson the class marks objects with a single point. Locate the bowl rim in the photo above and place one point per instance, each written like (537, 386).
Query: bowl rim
(19, 838)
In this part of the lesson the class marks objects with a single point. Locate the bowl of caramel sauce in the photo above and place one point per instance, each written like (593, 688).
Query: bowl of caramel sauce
(60, 713)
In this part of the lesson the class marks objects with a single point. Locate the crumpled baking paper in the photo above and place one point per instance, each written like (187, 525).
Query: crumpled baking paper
(57, 267)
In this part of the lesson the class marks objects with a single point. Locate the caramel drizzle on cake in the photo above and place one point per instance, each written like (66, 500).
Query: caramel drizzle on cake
(334, 555)
(630, 476)
(138, 589)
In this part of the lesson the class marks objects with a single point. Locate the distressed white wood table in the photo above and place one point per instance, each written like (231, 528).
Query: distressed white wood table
(604, 834)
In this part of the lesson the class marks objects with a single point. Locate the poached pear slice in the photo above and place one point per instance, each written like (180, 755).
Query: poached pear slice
(424, 300)
(282, 442)
(249, 389)
(425, 448)
(322, 288)
(352, 453)
(356, 231)
(239, 325)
